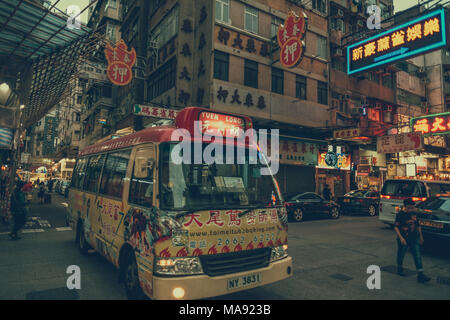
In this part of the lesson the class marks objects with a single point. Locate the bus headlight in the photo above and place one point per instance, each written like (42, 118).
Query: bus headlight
(178, 266)
(279, 253)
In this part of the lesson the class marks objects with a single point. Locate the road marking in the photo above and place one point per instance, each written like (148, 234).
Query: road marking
(63, 229)
(33, 230)
(4, 233)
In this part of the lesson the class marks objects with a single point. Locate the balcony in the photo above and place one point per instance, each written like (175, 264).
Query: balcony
(364, 87)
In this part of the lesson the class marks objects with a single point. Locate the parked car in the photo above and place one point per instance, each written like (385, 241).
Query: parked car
(434, 215)
(309, 205)
(360, 201)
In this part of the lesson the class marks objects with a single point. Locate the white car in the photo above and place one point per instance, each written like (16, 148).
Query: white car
(394, 192)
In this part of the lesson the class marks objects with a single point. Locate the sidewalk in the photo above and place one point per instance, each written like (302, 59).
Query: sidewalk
(40, 217)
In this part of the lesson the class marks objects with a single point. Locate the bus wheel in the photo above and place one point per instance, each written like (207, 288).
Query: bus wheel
(81, 239)
(131, 278)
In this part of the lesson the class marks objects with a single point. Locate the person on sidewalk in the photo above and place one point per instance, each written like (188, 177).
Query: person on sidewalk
(41, 193)
(326, 192)
(409, 235)
(18, 210)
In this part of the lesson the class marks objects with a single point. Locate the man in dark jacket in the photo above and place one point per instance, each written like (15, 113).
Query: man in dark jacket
(326, 193)
(409, 235)
(18, 210)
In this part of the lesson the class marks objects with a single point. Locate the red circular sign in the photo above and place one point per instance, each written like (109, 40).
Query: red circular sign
(119, 73)
(291, 53)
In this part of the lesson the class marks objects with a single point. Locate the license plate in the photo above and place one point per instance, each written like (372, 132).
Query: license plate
(244, 281)
(432, 224)
(346, 200)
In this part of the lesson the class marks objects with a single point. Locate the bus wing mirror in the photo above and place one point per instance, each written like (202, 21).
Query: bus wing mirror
(143, 168)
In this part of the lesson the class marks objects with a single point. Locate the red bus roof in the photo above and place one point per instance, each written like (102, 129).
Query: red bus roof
(184, 120)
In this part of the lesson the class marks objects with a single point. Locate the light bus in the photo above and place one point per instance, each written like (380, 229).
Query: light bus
(181, 230)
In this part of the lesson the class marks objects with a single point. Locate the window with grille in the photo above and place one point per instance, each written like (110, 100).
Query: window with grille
(251, 19)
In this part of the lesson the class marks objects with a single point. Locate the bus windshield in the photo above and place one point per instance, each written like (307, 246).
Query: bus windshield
(215, 186)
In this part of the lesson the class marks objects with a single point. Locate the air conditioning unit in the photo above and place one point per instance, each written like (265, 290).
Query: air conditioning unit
(356, 111)
(337, 52)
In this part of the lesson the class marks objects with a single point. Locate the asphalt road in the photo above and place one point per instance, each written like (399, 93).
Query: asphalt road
(331, 258)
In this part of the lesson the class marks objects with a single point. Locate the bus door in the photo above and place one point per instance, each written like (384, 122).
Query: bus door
(141, 200)
(91, 218)
(111, 195)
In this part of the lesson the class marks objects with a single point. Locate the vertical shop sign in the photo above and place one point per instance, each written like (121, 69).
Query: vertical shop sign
(120, 63)
(290, 35)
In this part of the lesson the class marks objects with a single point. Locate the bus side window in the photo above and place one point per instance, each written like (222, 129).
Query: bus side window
(93, 172)
(114, 174)
(79, 173)
(141, 187)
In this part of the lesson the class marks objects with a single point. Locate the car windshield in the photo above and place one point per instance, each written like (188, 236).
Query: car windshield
(435, 204)
(208, 186)
(401, 188)
(356, 193)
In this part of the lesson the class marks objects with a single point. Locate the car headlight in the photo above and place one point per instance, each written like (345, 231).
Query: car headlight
(279, 253)
(178, 266)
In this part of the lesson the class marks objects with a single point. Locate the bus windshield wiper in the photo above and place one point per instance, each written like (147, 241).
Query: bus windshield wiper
(261, 206)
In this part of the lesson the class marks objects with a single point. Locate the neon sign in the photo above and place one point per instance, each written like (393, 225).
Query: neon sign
(120, 62)
(423, 34)
(433, 124)
(221, 124)
(289, 36)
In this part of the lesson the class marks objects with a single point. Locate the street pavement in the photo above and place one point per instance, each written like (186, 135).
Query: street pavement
(331, 258)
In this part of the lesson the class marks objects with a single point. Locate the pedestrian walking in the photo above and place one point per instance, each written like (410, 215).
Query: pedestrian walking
(326, 193)
(409, 235)
(50, 185)
(18, 210)
(41, 193)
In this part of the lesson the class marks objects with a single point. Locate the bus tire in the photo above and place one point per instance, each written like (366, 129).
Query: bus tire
(83, 246)
(131, 277)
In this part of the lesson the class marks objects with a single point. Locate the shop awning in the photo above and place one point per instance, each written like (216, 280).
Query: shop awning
(44, 50)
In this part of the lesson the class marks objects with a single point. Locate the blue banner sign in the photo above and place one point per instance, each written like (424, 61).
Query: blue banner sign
(6, 137)
(426, 33)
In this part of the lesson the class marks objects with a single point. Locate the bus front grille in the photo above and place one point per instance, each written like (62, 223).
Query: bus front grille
(226, 263)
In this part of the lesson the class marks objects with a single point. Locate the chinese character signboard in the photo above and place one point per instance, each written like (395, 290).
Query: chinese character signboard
(346, 133)
(154, 112)
(221, 124)
(290, 35)
(298, 152)
(432, 124)
(426, 33)
(120, 63)
(363, 170)
(399, 142)
(331, 160)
